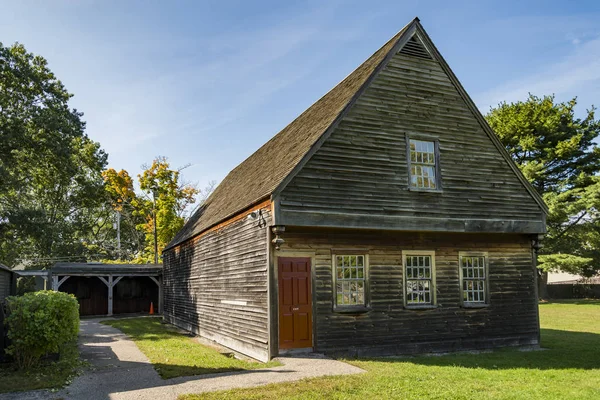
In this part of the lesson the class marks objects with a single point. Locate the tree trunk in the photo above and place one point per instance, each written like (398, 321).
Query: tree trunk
(543, 285)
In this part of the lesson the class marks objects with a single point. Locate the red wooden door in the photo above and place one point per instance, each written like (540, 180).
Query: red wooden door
(295, 303)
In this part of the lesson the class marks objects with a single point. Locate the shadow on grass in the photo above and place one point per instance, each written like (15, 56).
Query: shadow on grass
(560, 350)
(586, 302)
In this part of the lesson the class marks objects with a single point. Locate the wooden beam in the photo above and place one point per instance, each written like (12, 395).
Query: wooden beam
(104, 280)
(409, 223)
(64, 278)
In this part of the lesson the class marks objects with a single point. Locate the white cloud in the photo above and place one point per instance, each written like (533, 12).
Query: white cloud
(578, 72)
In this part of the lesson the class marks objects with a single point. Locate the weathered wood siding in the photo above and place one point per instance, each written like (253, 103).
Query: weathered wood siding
(390, 328)
(6, 284)
(203, 275)
(359, 177)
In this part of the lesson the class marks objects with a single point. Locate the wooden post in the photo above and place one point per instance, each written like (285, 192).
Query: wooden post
(110, 284)
(55, 283)
(110, 295)
(158, 281)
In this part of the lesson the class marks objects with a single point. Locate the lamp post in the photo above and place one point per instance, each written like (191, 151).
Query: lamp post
(154, 188)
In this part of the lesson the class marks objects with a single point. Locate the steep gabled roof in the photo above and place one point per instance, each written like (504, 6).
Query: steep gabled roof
(272, 166)
(258, 176)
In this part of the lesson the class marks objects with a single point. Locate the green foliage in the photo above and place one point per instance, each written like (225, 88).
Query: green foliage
(168, 198)
(40, 323)
(554, 149)
(45, 375)
(161, 188)
(563, 262)
(556, 152)
(50, 170)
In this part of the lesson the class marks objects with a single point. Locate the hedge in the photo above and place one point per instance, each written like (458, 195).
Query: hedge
(40, 323)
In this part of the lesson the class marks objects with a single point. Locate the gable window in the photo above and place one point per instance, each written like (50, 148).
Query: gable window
(350, 273)
(419, 278)
(423, 164)
(473, 278)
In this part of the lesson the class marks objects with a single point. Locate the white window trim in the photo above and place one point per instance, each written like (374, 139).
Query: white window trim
(431, 253)
(347, 307)
(437, 168)
(486, 284)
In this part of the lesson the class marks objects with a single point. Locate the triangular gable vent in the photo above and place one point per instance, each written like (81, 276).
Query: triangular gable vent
(415, 48)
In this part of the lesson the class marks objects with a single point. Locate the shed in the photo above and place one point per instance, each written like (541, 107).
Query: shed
(386, 219)
(107, 289)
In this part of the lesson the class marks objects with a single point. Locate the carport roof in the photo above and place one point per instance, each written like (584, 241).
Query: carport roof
(64, 268)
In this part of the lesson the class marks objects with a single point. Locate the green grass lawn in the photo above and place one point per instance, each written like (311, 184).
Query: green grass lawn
(48, 375)
(175, 354)
(568, 369)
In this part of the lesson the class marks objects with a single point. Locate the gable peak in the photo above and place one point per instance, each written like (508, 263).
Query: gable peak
(414, 47)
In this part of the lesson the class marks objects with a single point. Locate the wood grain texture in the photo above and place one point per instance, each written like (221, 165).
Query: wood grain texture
(359, 177)
(388, 327)
(228, 264)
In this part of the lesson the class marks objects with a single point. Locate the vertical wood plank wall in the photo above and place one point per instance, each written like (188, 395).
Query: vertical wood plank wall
(359, 177)
(6, 283)
(202, 277)
(389, 328)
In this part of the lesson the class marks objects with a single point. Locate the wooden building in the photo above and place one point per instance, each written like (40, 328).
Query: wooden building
(386, 219)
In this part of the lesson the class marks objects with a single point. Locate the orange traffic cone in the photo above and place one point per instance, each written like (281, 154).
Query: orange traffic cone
(151, 308)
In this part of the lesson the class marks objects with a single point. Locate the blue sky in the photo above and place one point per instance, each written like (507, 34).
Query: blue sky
(208, 82)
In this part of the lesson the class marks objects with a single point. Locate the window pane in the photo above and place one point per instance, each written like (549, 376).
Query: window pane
(419, 279)
(474, 276)
(422, 157)
(350, 280)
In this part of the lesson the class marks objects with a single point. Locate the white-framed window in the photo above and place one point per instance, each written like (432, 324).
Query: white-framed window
(419, 278)
(423, 168)
(473, 278)
(350, 280)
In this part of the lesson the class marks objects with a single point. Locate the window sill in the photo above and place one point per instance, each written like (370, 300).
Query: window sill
(475, 305)
(351, 310)
(411, 189)
(421, 307)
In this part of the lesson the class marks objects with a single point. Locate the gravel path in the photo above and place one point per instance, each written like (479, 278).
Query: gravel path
(121, 371)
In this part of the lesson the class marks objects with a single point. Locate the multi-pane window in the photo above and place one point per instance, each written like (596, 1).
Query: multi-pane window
(473, 273)
(350, 274)
(419, 280)
(422, 164)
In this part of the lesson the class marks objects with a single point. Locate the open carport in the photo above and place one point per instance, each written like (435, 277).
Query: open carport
(107, 289)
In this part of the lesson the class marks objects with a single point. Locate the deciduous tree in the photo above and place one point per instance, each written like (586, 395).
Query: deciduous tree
(166, 197)
(50, 170)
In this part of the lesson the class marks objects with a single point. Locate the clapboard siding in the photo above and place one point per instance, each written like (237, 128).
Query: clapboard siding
(389, 328)
(228, 264)
(359, 176)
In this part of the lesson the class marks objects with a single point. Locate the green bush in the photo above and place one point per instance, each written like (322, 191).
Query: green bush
(40, 323)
